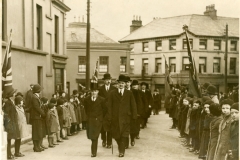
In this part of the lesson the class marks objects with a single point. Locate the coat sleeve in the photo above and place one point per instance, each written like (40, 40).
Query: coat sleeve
(36, 106)
(133, 106)
(109, 107)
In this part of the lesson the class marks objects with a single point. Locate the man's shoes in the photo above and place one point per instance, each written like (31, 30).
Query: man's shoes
(104, 144)
(191, 150)
(126, 147)
(137, 137)
(173, 127)
(93, 155)
(121, 155)
(132, 143)
(60, 141)
(109, 146)
(19, 154)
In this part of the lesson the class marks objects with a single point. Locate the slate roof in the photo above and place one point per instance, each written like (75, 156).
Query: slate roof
(76, 32)
(200, 25)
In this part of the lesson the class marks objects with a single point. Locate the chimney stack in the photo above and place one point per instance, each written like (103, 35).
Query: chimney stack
(136, 23)
(211, 11)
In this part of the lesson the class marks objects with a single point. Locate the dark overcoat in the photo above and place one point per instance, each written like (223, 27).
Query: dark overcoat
(173, 107)
(214, 132)
(36, 115)
(234, 139)
(148, 100)
(60, 115)
(193, 123)
(51, 122)
(104, 93)
(94, 111)
(11, 120)
(135, 124)
(184, 119)
(156, 101)
(121, 109)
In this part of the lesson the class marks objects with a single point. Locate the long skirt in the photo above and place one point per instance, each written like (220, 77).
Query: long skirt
(37, 129)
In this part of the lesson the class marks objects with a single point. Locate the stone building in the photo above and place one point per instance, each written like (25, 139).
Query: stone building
(165, 37)
(112, 56)
(38, 43)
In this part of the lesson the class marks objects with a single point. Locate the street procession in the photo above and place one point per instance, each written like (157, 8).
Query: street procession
(165, 86)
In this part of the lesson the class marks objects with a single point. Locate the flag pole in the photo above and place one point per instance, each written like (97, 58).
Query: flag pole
(7, 48)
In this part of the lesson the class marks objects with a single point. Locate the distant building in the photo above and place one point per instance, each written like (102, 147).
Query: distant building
(112, 56)
(165, 36)
(38, 38)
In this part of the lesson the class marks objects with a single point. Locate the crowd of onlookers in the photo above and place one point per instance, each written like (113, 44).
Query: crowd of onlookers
(57, 117)
(208, 126)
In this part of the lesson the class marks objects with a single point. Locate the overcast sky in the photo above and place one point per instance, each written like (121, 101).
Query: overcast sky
(114, 17)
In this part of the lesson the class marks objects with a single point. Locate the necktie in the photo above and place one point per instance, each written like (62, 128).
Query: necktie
(120, 92)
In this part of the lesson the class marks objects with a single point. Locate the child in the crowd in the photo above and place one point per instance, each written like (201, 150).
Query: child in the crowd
(206, 131)
(190, 104)
(233, 152)
(60, 103)
(196, 110)
(52, 124)
(56, 136)
(73, 115)
(44, 107)
(224, 131)
(66, 119)
(214, 129)
(187, 103)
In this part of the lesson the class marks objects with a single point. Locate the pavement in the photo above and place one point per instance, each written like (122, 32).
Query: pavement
(157, 142)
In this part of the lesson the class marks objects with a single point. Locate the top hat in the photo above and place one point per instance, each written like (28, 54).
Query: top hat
(127, 79)
(211, 89)
(94, 86)
(134, 82)
(8, 92)
(106, 76)
(121, 78)
(36, 88)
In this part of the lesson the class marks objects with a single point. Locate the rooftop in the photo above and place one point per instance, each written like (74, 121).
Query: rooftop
(76, 32)
(200, 25)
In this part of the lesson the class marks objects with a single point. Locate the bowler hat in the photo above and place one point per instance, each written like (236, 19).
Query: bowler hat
(235, 106)
(106, 76)
(211, 89)
(144, 83)
(121, 78)
(134, 82)
(8, 92)
(18, 99)
(19, 94)
(205, 85)
(127, 79)
(36, 88)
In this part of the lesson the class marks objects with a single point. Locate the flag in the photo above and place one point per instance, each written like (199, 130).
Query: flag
(167, 80)
(194, 83)
(7, 68)
(95, 74)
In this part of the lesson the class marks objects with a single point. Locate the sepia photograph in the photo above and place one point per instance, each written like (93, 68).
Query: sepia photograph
(119, 79)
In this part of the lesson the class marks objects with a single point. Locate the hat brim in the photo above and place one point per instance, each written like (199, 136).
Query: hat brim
(11, 93)
(107, 78)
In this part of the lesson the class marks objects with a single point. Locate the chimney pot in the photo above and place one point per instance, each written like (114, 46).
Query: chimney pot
(139, 18)
(136, 18)
(74, 18)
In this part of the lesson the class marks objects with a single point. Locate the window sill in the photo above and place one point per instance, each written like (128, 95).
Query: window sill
(49, 17)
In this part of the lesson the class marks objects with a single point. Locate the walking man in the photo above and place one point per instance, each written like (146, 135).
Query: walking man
(94, 106)
(121, 109)
(104, 92)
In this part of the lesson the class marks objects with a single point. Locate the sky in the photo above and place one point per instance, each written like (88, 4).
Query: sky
(114, 17)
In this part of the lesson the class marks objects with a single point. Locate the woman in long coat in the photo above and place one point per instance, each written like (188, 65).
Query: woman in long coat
(214, 127)
(36, 115)
(11, 122)
(94, 106)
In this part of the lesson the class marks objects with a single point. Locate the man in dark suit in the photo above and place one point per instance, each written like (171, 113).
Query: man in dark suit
(134, 124)
(147, 96)
(104, 92)
(121, 109)
(94, 107)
